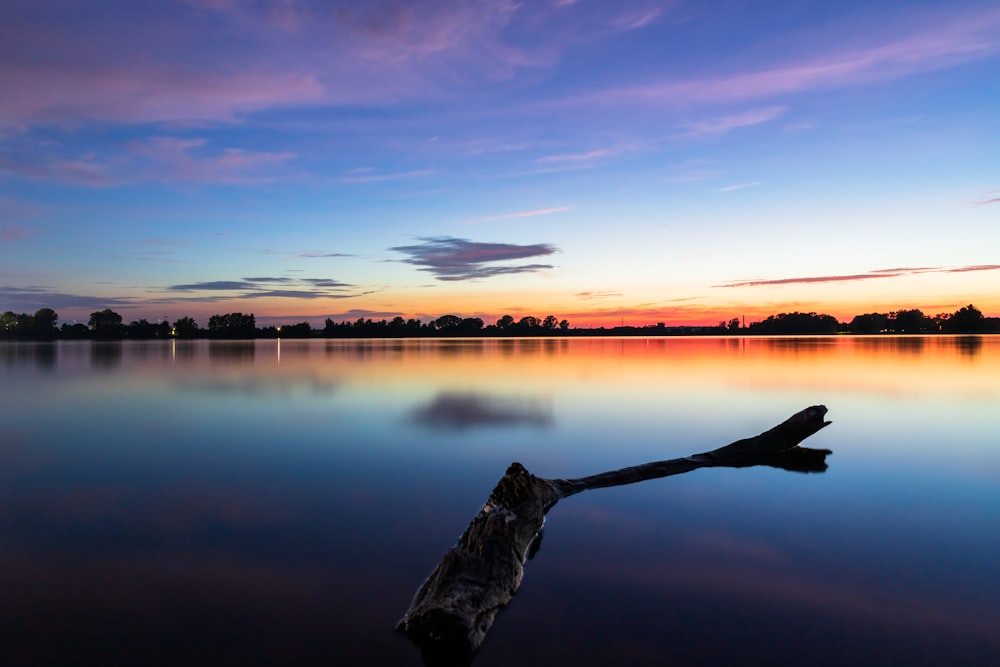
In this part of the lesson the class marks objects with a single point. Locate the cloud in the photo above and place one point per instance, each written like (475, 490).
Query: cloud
(634, 20)
(525, 214)
(986, 202)
(869, 275)
(206, 62)
(597, 295)
(451, 258)
(192, 159)
(220, 61)
(184, 159)
(723, 124)
(574, 157)
(42, 166)
(979, 267)
(215, 286)
(381, 178)
(326, 282)
(269, 279)
(263, 287)
(31, 298)
(738, 186)
(321, 255)
(947, 41)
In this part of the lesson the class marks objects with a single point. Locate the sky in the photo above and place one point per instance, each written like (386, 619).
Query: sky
(633, 162)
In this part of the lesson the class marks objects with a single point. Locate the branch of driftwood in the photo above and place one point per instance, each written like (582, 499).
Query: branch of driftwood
(454, 608)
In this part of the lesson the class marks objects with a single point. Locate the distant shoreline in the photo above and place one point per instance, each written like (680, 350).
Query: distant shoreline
(108, 325)
(616, 332)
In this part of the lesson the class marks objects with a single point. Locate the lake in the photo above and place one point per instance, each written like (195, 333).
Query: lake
(279, 502)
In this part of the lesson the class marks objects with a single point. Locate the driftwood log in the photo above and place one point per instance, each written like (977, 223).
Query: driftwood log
(454, 608)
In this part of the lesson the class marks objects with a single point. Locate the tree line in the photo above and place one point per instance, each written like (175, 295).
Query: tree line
(108, 325)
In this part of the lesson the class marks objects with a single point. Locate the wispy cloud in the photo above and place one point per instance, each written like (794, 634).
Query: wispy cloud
(265, 286)
(381, 178)
(723, 124)
(321, 255)
(950, 40)
(160, 158)
(639, 19)
(191, 159)
(451, 258)
(980, 267)
(597, 295)
(41, 165)
(985, 201)
(851, 277)
(738, 186)
(244, 57)
(31, 298)
(574, 157)
(524, 214)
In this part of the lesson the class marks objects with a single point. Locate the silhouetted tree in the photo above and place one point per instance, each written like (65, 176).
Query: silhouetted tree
(448, 323)
(17, 325)
(505, 322)
(397, 327)
(967, 319)
(76, 331)
(8, 323)
(869, 323)
(232, 325)
(910, 321)
(564, 325)
(300, 330)
(796, 323)
(185, 327)
(45, 323)
(106, 324)
(528, 324)
(143, 329)
(471, 325)
(550, 323)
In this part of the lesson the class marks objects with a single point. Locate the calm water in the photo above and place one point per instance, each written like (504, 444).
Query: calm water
(279, 502)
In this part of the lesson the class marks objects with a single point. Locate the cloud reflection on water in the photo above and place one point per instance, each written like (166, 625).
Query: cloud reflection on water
(460, 411)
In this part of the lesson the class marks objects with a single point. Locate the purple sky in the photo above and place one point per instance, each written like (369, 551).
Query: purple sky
(647, 161)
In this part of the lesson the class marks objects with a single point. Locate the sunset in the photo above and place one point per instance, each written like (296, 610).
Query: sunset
(606, 163)
(480, 333)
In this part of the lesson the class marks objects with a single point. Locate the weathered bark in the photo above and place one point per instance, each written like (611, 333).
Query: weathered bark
(454, 608)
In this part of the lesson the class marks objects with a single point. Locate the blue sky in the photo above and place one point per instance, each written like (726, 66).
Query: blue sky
(683, 162)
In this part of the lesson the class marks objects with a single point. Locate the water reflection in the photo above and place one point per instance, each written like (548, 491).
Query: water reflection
(460, 411)
(106, 355)
(969, 345)
(261, 387)
(454, 608)
(232, 352)
(201, 503)
(39, 355)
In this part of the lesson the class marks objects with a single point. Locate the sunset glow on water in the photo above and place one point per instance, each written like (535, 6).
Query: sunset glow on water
(252, 502)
